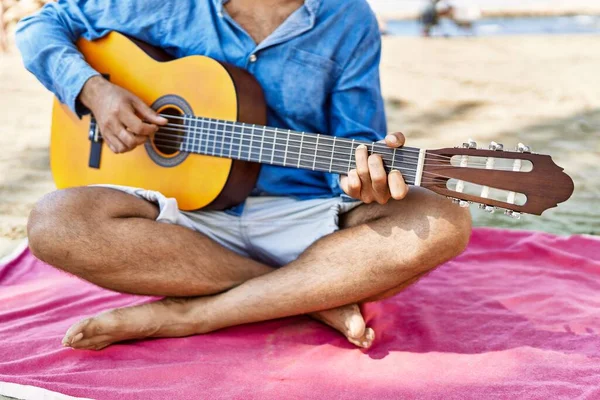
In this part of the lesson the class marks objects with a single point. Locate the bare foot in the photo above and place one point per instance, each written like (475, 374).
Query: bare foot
(350, 322)
(172, 317)
(163, 318)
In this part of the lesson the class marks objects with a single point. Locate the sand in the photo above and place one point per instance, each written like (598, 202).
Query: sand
(544, 91)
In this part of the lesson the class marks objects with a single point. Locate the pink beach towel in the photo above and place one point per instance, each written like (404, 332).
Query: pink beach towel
(516, 316)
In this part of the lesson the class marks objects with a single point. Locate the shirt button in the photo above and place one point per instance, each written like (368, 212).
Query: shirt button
(252, 58)
(220, 14)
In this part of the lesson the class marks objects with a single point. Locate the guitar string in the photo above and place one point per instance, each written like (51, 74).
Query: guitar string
(275, 131)
(299, 159)
(213, 140)
(278, 157)
(283, 131)
(410, 171)
(410, 174)
(243, 125)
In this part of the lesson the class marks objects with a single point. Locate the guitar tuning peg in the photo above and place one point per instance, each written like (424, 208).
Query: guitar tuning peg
(521, 148)
(513, 214)
(496, 146)
(486, 208)
(454, 200)
(463, 204)
(470, 144)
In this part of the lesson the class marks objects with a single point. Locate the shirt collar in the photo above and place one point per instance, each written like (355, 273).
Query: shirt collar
(311, 5)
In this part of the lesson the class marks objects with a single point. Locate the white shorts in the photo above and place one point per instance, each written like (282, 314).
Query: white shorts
(272, 230)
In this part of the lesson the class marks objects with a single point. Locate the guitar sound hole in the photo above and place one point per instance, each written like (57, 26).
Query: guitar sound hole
(168, 139)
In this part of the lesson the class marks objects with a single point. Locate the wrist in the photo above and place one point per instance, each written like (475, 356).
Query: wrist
(90, 90)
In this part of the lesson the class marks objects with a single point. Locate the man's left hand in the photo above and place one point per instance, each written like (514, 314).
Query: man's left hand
(369, 181)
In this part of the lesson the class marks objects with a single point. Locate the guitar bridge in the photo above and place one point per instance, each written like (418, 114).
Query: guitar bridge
(95, 144)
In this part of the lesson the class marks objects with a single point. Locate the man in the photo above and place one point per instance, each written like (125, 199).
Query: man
(431, 14)
(296, 246)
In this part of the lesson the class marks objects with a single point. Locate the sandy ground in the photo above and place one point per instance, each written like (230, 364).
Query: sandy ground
(544, 91)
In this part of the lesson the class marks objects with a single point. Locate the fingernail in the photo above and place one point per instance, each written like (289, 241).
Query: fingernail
(77, 337)
(394, 170)
(392, 139)
(362, 146)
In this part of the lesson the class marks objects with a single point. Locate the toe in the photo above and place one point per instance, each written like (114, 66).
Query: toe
(355, 324)
(364, 341)
(76, 332)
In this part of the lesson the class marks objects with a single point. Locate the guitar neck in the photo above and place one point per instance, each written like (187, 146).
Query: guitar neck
(287, 148)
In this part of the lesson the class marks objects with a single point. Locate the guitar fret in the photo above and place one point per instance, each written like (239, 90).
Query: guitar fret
(393, 158)
(201, 142)
(195, 137)
(233, 133)
(274, 145)
(351, 155)
(300, 152)
(241, 141)
(251, 138)
(287, 141)
(262, 143)
(332, 154)
(316, 152)
(222, 140)
(214, 138)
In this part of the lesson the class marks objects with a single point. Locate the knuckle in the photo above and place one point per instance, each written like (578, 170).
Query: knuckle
(362, 170)
(374, 159)
(379, 180)
(367, 198)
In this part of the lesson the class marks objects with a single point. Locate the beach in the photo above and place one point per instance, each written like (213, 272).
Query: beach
(404, 9)
(540, 90)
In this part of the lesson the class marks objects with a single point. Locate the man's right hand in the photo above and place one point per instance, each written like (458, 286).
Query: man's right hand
(125, 121)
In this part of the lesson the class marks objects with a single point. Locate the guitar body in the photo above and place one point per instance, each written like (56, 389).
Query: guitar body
(194, 85)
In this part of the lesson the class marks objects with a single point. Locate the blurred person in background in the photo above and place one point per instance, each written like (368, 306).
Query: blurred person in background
(463, 15)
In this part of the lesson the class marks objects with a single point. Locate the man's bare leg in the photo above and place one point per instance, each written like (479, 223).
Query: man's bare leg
(111, 238)
(382, 249)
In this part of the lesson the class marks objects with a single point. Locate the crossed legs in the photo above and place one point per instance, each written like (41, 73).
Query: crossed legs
(112, 239)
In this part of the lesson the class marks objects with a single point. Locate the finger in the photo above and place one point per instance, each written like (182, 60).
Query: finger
(127, 138)
(378, 179)
(135, 125)
(109, 143)
(362, 169)
(148, 114)
(395, 139)
(110, 138)
(115, 144)
(140, 139)
(351, 184)
(398, 188)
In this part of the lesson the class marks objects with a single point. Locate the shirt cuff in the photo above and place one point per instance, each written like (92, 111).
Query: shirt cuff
(72, 84)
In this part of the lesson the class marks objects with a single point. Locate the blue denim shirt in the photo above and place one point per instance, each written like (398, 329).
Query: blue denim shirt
(319, 70)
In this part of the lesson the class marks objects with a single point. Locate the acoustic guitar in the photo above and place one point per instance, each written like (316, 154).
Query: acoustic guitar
(210, 152)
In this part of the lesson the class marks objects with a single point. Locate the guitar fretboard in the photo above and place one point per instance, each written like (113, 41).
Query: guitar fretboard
(285, 147)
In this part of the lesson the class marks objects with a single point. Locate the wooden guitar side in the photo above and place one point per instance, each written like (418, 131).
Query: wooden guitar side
(212, 89)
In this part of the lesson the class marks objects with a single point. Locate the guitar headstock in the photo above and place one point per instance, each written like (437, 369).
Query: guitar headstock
(518, 181)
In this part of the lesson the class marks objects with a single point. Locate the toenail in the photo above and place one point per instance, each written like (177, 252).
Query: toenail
(77, 338)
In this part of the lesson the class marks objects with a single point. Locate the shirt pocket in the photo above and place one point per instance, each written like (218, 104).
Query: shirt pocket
(308, 80)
